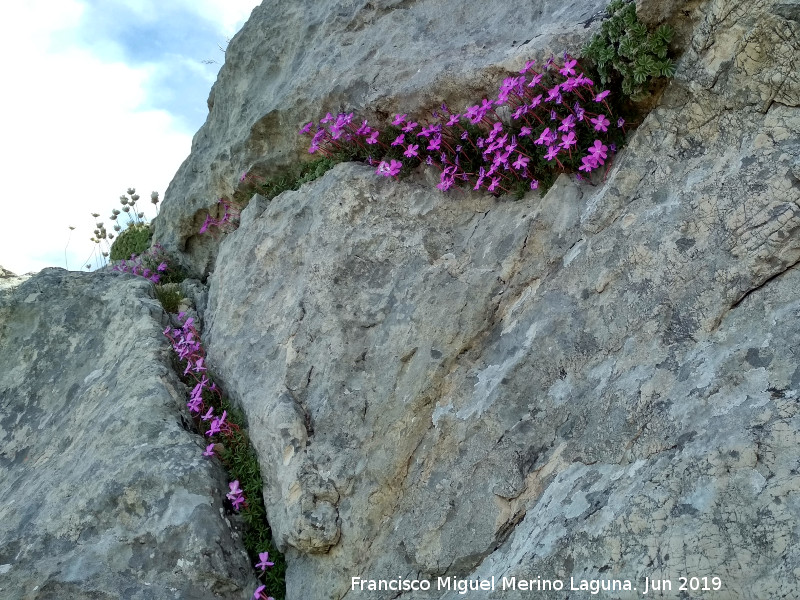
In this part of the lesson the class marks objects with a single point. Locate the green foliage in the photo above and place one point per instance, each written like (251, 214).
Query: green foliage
(625, 51)
(241, 462)
(289, 179)
(169, 295)
(134, 240)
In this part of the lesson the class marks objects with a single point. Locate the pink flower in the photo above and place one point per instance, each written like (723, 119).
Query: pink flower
(568, 140)
(235, 490)
(552, 152)
(524, 131)
(453, 120)
(601, 96)
(373, 137)
(209, 415)
(535, 80)
(589, 163)
(411, 150)
(389, 169)
(435, 142)
(264, 561)
(398, 120)
(528, 65)
(409, 127)
(568, 68)
(162, 267)
(237, 502)
(600, 123)
(306, 128)
(493, 186)
(209, 450)
(598, 151)
(521, 162)
(399, 140)
(545, 137)
(535, 184)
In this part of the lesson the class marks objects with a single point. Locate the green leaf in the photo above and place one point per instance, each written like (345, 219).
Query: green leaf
(667, 68)
(665, 33)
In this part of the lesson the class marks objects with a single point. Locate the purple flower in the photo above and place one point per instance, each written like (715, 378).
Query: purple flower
(194, 405)
(453, 120)
(567, 123)
(435, 142)
(568, 140)
(589, 163)
(373, 137)
(535, 80)
(398, 120)
(601, 96)
(535, 184)
(399, 140)
(162, 267)
(328, 117)
(473, 114)
(598, 151)
(411, 150)
(237, 502)
(521, 162)
(409, 127)
(528, 65)
(264, 561)
(524, 131)
(493, 186)
(620, 123)
(568, 68)
(554, 93)
(552, 152)
(600, 123)
(545, 137)
(389, 169)
(364, 129)
(209, 415)
(209, 450)
(520, 111)
(235, 490)
(306, 128)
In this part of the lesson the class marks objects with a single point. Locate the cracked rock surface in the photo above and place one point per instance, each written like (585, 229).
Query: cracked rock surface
(104, 494)
(293, 61)
(599, 384)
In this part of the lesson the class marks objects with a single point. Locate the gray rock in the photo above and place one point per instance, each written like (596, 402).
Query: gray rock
(294, 61)
(9, 280)
(105, 494)
(599, 384)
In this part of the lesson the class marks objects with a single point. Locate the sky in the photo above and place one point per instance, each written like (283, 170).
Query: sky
(98, 96)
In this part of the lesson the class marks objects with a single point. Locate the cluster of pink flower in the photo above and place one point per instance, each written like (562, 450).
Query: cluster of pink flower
(552, 121)
(230, 214)
(150, 265)
(186, 343)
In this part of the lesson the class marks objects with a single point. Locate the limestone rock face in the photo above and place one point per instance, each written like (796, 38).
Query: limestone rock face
(105, 495)
(9, 279)
(293, 61)
(599, 384)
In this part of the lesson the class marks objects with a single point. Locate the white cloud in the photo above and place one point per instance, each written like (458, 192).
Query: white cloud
(75, 136)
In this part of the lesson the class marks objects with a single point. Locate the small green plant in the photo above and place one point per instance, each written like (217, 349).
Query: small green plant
(134, 240)
(625, 52)
(289, 179)
(169, 295)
